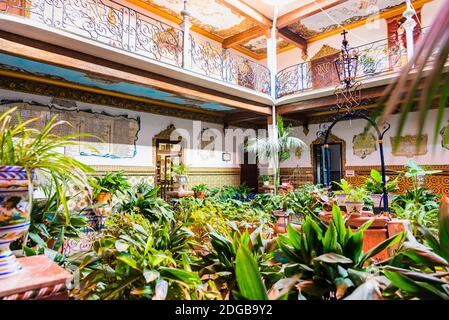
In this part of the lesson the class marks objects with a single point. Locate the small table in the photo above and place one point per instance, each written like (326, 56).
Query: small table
(41, 279)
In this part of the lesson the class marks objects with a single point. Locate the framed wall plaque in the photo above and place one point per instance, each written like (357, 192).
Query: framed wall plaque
(409, 145)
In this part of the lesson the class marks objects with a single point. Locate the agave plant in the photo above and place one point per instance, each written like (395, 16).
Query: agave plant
(276, 149)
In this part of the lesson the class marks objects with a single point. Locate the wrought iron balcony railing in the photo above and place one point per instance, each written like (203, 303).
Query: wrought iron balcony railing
(122, 27)
(116, 25)
(378, 57)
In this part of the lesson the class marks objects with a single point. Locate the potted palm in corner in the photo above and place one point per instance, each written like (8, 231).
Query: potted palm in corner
(275, 149)
(24, 151)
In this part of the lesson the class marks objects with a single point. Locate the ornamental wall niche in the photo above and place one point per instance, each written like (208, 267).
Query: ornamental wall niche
(409, 145)
(114, 136)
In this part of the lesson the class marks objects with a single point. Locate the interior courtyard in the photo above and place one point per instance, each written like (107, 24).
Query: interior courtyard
(224, 149)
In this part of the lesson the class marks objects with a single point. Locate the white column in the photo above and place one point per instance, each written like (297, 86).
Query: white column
(185, 24)
(272, 66)
(271, 54)
(409, 26)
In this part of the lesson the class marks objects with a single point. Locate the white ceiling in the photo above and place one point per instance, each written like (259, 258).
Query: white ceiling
(268, 10)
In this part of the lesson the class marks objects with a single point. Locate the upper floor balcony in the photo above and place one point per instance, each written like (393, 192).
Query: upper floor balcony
(131, 30)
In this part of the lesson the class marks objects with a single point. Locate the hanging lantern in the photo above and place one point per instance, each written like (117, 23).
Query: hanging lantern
(347, 63)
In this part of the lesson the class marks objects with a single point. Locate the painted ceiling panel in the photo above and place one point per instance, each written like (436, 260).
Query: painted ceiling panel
(209, 15)
(340, 15)
(259, 45)
(21, 65)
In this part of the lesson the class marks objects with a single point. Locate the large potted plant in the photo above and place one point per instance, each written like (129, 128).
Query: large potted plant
(355, 202)
(374, 186)
(341, 194)
(24, 151)
(265, 180)
(106, 187)
(368, 63)
(274, 149)
(181, 171)
(200, 190)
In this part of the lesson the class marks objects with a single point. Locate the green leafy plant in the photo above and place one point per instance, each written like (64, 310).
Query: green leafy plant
(421, 270)
(148, 205)
(110, 182)
(142, 187)
(416, 193)
(139, 260)
(357, 194)
(181, 169)
(265, 178)
(374, 183)
(199, 188)
(324, 262)
(345, 186)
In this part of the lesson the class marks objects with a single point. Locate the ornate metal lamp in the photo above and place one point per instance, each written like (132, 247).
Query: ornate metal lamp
(347, 64)
(349, 100)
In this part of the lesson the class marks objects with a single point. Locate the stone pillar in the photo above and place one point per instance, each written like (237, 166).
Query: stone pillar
(409, 26)
(186, 46)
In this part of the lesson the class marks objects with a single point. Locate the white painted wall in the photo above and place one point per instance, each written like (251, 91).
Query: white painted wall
(436, 155)
(150, 125)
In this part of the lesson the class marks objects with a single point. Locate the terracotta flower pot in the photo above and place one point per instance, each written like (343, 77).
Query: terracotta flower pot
(15, 204)
(104, 197)
(200, 195)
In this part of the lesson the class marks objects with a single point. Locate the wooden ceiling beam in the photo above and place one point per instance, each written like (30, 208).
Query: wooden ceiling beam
(248, 12)
(330, 100)
(243, 37)
(293, 38)
(306, 11)
(236, 117)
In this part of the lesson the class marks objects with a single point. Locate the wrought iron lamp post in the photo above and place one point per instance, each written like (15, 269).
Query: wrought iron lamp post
(349, 100)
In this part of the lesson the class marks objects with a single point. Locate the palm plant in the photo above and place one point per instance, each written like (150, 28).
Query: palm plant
(418, 82)
(275, 149)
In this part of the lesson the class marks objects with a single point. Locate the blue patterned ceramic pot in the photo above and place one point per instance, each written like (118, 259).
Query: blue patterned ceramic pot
(15, 196)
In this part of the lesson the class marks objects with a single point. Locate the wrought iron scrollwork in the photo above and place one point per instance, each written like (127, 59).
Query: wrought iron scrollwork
(207, 59)
(293, 79)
